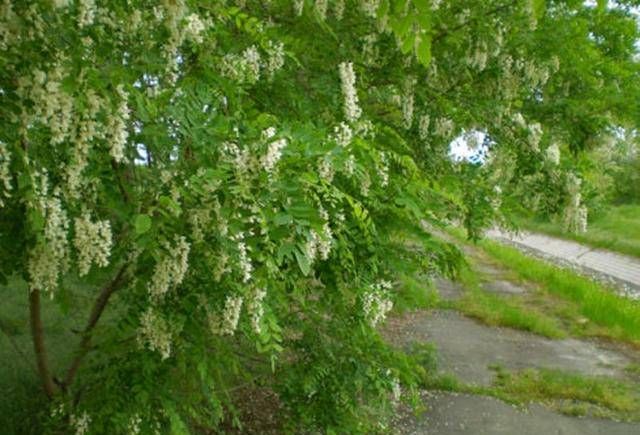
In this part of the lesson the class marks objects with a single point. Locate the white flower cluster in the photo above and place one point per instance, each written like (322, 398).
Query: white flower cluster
(338, 9)
(342, 134)
(370, 51)
(396, 390)
(199, 218)
(321, 8)
(444, 127)
(275, 58)
(553, 154)
(48, 260)
(117, 131)
(133, 426)
(479, 58)
(376, 303)
(365, 185)
(531, 11)
(365, 128)
(5, 174)
(61, 3)
(352, 110)
(86, 12)
(93, 243)
(155, 333)
(423, 126)
(383, 169)
(326, 169)
(496, 199)
(407, 102)
(274, 153)
(370, 7)
(256, 309)
(230, 317)
(194, 28)
(88, 129)
(240, 158)
(298, 6)
(575, 214)
(519, 120)
(350, 165)
(81, 423)
(319, 245)
(535, 135)
(171, 269)
(246, 267)
(245, 68)
(52, 106)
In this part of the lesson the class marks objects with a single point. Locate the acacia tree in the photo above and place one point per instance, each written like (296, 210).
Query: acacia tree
(233, 183)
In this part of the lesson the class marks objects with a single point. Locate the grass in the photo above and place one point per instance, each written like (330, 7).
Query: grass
(566, 392)
(414, 294)
(498, 310)
(617, 229)
(618, 317)
(571, 393)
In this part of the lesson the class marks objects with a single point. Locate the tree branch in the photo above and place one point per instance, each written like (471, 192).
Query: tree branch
(96, 312)
(37, 335)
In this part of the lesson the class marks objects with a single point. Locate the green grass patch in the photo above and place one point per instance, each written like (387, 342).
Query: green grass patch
(618, 317)
(503, 310)
(633, 369)
(415, 292)
(616, 229)
(571, 393)
(498, 311)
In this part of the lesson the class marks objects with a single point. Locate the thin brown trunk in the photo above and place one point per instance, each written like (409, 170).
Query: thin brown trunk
(96, 312)
(37, 334)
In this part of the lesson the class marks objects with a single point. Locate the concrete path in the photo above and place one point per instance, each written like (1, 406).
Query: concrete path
(471, 350)
(453, 414)
(620, 267)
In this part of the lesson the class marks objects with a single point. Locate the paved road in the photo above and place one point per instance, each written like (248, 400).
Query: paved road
(620, 267)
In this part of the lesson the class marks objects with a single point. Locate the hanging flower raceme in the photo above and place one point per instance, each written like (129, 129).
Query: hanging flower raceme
(407, 102)
(351, 108)
(321, 8)
(117, 129)
(575, 214)
(255, 308)
(423, 126)
(273, 155)
(244, 261)
(228, 323)
(553, 154)
(92, 242)
(275, 58)
(5, 174)
(342, 134)
(48, 260)
(171, 269)
(154, 333)
(376, 302)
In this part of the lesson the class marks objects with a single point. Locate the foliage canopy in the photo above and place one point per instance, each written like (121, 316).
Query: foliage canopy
(232, 181)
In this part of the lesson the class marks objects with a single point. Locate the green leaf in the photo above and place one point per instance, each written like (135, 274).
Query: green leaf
(303, 262)
(423, 49)
(142, 224)
(282, 219)
(539, 8)
(37, 220)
